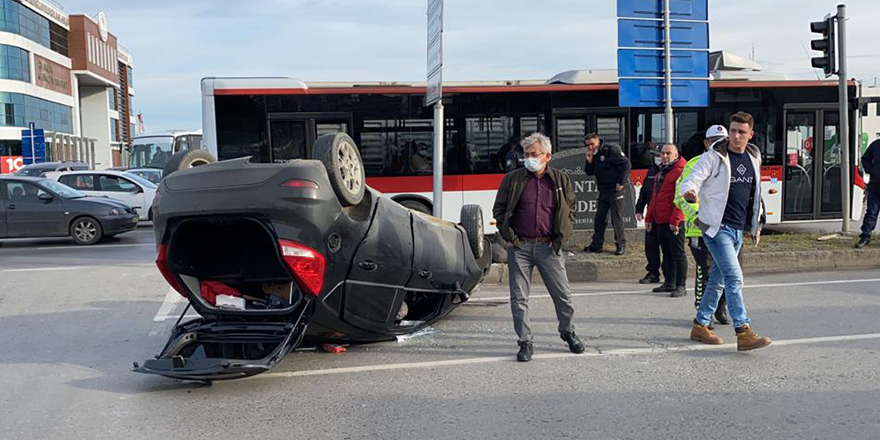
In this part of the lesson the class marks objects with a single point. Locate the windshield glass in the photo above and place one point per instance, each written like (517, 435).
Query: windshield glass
(150, 152)
(152, 175)
(61, 189)
(140, 180)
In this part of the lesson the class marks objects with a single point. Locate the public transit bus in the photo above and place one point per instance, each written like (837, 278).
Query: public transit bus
(278, 119)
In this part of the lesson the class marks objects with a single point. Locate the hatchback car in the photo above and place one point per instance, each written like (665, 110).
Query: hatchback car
(39, 207)
(272, 254)
(128, 188)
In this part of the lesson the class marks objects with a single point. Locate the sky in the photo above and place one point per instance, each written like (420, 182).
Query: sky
(175, 43)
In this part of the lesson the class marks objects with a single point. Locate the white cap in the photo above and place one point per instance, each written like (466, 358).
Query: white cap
(716, 131)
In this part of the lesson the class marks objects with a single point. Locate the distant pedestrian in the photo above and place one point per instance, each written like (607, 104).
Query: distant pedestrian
(611, 168)
(534, 210)
(652, 244)
(664, 217)
(694, 235)
(871, 165)
(727, 180)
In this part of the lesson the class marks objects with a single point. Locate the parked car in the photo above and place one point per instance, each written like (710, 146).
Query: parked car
(40, 207)
(40, 169)
(272, 254)
(152, 174)
(128, 188)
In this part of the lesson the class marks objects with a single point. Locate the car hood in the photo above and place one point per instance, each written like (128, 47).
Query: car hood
(101, 201)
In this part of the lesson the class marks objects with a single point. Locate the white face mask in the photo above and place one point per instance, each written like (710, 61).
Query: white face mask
(658, 161)
(534, 164)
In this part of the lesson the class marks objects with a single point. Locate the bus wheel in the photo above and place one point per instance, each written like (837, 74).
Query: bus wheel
(416, 205)
(345, 168)
(186, 159)
(472, 222)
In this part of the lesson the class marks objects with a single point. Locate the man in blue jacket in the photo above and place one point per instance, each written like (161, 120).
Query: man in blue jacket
(871, 165)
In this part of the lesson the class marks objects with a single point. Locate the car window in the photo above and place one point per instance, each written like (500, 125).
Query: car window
(23, 192)
(83, 182)
(61, 189)
(117, 184)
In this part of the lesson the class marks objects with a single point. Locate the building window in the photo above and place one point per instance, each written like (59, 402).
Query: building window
(114, 130)
(19, 19)
(113, 97)
(129, 76)
(14, 63)
(17, 110)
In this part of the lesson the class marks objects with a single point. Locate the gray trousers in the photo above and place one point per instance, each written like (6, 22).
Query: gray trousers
(521, 263)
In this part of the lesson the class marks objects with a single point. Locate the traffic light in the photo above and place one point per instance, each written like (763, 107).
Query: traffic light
(827, 62)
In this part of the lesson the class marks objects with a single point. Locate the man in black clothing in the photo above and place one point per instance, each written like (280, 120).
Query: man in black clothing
(871, 165)
(611, 168)
(652, 244)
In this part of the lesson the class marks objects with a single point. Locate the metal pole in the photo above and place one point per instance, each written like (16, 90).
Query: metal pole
(845, 204)
(667, 48)
(439, 125)
(33, 128)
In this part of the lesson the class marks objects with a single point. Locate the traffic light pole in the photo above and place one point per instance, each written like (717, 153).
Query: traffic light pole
(667, 48)
(846, 205)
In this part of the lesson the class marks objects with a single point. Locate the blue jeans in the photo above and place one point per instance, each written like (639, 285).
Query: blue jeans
(725, 273)
(870, 220)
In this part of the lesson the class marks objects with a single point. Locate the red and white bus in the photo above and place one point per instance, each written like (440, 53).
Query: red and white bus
(278, 119)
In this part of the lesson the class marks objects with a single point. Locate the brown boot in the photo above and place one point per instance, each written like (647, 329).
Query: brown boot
(702, 334)
(747, 340)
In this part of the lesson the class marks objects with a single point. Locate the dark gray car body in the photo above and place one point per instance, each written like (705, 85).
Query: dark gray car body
(223, 222)
(31, 217)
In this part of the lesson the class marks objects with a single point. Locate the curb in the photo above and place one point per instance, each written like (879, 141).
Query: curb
(583, 268)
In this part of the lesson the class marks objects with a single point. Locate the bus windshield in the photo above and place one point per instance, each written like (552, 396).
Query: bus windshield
(151, 152)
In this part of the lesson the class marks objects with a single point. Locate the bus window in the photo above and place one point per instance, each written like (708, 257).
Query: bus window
(570, 133)
(488, 139)
(402, 147)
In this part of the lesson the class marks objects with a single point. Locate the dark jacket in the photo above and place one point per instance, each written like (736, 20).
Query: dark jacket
(610, 167)
(647, 189)
(508, 197)
(662, 209)
(871, 165)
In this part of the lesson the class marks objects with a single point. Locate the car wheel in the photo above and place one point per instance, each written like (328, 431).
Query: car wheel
(86, 230)
(472, 222)
(416, 205)
(186, 159)
(344, 165)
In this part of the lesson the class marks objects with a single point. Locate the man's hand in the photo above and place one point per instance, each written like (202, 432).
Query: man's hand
(589, 156)
(619, 188)
(673, 228)
(639, 216)
(691, 196)
(756, 238)
(648, 226)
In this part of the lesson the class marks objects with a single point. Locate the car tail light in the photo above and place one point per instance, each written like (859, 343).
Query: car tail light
(165, 270)
(300, 183)
(306, 264)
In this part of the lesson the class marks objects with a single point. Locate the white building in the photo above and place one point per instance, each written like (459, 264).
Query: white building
(66, 74)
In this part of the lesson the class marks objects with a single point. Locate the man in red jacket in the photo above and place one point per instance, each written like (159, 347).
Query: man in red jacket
(667, 218)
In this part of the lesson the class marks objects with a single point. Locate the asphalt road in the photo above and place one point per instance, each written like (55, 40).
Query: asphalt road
(72, 320)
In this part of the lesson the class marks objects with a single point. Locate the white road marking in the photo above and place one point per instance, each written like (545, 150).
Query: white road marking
(172, 298)
(617, 352)
(49, 269)
(100, 246)
(630, 292)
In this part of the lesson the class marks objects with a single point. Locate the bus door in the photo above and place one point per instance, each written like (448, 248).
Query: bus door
(812, 164)
(292, 135)
(571, 125)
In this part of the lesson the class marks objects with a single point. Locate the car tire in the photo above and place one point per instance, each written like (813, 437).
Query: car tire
(86, 230)
(416, 205)
(344, 165)
(186, 159)
(472, 222)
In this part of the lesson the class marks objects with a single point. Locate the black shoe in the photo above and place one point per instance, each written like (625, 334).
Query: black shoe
(664, 288)
(621, 249)
(863, 242)
(594, 248)
(525, 351)
(574, 342)
(650, 279)
(721, 314)
(678, 292)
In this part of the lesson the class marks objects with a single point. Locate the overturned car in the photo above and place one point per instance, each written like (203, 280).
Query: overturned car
(271, 255)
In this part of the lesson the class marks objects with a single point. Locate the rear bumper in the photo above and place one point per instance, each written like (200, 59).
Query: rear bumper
(119, 223)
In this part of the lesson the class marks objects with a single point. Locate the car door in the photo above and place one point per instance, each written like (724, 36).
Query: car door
(2, 209)
(124, 190)
(27, 215)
